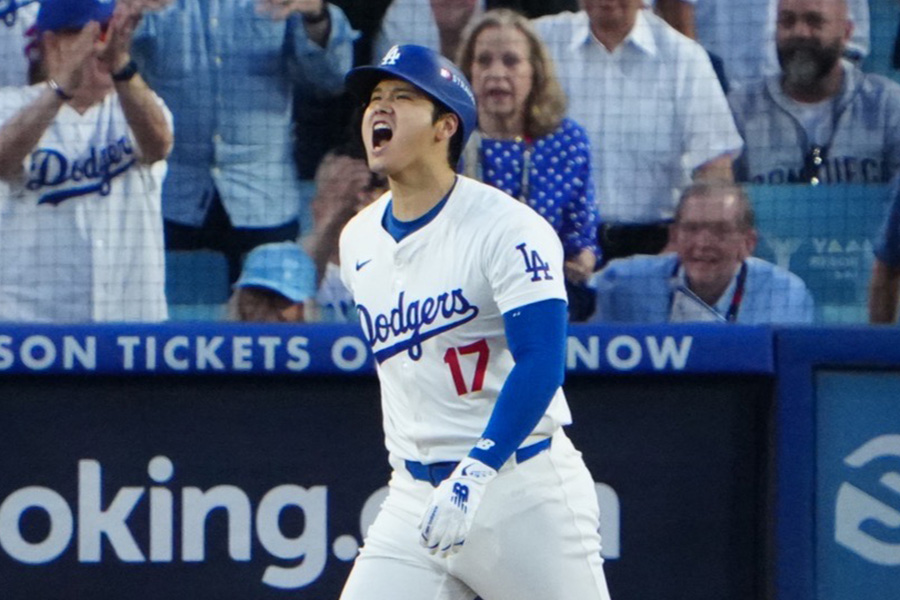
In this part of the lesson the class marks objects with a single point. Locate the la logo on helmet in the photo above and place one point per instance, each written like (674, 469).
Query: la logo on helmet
(392, 56)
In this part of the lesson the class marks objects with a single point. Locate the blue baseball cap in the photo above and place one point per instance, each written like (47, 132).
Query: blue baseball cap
(282, 267)
(64, 14)
(432, 73)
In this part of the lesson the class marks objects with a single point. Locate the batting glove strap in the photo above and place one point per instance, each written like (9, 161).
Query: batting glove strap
(449, 516)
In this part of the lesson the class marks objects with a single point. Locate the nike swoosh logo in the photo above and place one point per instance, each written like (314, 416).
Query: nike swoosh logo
(468, 472)
(360, 265)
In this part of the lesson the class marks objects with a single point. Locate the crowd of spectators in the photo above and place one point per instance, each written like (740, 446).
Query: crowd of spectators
(525, 145)
(132, 128)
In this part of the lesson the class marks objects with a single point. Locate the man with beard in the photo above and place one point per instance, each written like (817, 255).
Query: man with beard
(821, 120)
(740, 32)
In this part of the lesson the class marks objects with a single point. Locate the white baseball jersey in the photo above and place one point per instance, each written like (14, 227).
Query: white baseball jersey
(81, 229)
(431, 307)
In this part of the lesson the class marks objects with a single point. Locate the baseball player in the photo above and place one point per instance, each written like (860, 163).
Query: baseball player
(460, 293)
(81, 171)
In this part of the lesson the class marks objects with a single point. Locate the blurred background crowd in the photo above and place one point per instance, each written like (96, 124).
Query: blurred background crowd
(731, 161)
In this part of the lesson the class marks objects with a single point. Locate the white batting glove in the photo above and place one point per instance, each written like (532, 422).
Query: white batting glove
(447, 520)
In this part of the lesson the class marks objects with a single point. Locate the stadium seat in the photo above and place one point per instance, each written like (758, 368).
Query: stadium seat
(884, 16)
(824, 234)
(196, 285)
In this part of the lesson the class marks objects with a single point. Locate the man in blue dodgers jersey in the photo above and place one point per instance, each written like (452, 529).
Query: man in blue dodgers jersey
(821, 120)
(461, 295)
(81, 169)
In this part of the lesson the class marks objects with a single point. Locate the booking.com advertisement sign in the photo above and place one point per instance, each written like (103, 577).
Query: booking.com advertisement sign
(858, 485)
(225, 461)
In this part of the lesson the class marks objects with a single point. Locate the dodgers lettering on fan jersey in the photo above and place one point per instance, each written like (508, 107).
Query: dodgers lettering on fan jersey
(863, 141)
(81, 229)
(431, 307)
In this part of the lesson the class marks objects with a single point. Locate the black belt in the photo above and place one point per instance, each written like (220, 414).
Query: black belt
(435, 473)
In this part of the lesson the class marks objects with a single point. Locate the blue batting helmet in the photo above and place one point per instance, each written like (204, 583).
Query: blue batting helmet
(427, 70)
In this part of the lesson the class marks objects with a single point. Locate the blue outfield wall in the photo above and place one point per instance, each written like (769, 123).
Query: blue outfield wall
(838, 451)
(226, 460)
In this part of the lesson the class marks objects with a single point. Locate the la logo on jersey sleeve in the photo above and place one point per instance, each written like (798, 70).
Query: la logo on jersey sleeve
(537, 267)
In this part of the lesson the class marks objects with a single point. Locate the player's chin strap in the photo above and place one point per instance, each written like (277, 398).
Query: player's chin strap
(446, 523)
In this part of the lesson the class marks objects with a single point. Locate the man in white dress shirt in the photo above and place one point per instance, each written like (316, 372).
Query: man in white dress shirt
(654, 109)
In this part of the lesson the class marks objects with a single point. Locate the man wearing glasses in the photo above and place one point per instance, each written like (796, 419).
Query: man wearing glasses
(821, 120)
(710, 278)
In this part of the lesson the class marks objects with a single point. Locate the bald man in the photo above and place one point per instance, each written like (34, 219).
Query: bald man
(740, 32)
(821, 119)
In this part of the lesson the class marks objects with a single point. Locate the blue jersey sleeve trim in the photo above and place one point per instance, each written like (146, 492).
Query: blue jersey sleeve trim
(536, 334)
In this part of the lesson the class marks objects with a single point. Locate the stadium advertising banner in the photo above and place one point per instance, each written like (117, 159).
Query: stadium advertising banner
(858, 485)
(206, 348)
(838, 508)
(230, 461)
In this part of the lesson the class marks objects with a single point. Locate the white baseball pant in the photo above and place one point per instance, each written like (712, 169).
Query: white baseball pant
(535, 536)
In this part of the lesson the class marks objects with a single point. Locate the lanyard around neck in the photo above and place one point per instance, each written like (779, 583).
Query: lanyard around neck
(736, 299)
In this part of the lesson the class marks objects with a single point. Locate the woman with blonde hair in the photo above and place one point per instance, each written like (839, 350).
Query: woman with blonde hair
(525, 145)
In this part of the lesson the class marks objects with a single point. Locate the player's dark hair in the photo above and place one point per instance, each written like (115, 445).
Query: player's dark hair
(454, 151)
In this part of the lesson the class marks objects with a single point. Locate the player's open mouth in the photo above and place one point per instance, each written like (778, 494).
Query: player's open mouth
(381, 134)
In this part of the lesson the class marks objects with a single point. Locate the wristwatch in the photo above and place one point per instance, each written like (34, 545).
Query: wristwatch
(58, 90)
(126, 72)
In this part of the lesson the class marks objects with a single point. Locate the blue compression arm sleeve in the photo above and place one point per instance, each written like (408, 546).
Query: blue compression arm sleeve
(536, 334)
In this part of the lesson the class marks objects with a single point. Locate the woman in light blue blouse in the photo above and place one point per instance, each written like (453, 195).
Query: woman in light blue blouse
(525, 145)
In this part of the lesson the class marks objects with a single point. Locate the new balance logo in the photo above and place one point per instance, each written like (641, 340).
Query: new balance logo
(484, 444)
(360, 265)
(460, 496)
